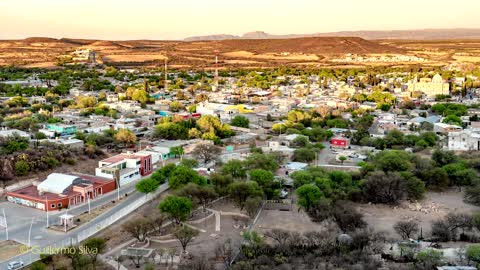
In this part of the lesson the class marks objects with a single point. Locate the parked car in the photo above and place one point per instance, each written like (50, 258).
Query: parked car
(283, 194)
(15, 265)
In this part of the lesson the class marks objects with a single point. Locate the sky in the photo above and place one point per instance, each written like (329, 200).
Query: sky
(177, 19)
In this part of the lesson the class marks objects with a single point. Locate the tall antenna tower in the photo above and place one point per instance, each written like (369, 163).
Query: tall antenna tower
(216, 68)
(166, 72)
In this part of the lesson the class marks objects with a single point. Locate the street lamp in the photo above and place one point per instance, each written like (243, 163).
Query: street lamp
(6, 225)
(30, 234)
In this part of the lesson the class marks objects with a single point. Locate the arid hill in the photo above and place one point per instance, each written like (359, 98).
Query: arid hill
(310, 51)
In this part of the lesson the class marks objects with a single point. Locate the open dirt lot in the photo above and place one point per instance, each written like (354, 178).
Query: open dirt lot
(435, 206)
(9, 249)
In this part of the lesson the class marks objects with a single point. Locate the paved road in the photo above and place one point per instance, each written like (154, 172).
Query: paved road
(19, 217)
(51, 238)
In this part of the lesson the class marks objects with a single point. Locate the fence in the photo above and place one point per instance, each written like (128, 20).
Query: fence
(90, 229)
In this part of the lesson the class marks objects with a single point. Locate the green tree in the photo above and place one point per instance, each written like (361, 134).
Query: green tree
(429, 259)
(262, 161)
(182, 175)
(342, 159)
(96, 245)
(240, 121)
(240, 191)
(147, 185)
(189, 162)
(304, 154)
(38, 266)
(177, 151)
(235, 168)
(204, 195)
(301, 178)
(308, 195)
(178, 208)
(393, 160)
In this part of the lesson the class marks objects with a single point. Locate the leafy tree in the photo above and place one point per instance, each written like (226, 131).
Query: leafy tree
(235, 168)
(380, 187)
(240, 191)
(393, 161)
(394, 137)
(38, 266)
(221, 182)
(140, 95)
(178, 208)
(147, 185)
(304, 154)
(261, 161)
(252, 204)
(300, 141)
(125, 136)
(189, 162)
(429, 259)
(308, 195)
(442, 158)
(301, 178)
(342, 159)
(177, 151)
(96, 245)
(240, 121)
(185, 235)
(182, 175)
(203, 194)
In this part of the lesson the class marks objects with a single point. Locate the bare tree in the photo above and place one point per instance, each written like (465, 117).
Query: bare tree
(206, 152)
(185, 235)
(406, 229)
(282, 237)
(157, 220)
(226, 251)
(138, 228)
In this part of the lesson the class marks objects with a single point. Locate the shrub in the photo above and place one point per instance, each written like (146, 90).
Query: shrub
(21, 167)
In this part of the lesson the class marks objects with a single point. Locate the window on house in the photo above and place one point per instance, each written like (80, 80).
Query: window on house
(59, 204)
(52, 206)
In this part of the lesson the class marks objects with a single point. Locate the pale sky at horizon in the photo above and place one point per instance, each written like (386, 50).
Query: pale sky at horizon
(160, 19)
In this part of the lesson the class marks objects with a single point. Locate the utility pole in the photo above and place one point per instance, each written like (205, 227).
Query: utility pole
(216, 69)
(166, 72)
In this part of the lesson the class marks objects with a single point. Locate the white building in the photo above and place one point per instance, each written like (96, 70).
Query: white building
(465, 140)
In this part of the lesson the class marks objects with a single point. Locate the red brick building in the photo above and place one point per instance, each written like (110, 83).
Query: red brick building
(60, 191)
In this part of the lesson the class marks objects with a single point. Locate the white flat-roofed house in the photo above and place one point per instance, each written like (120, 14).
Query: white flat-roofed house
(465, 140)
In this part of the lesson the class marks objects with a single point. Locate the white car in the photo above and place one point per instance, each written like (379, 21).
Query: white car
(283, 194)
(14, 265)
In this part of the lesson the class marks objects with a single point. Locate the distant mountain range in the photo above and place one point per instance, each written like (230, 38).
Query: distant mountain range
(420, 34)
